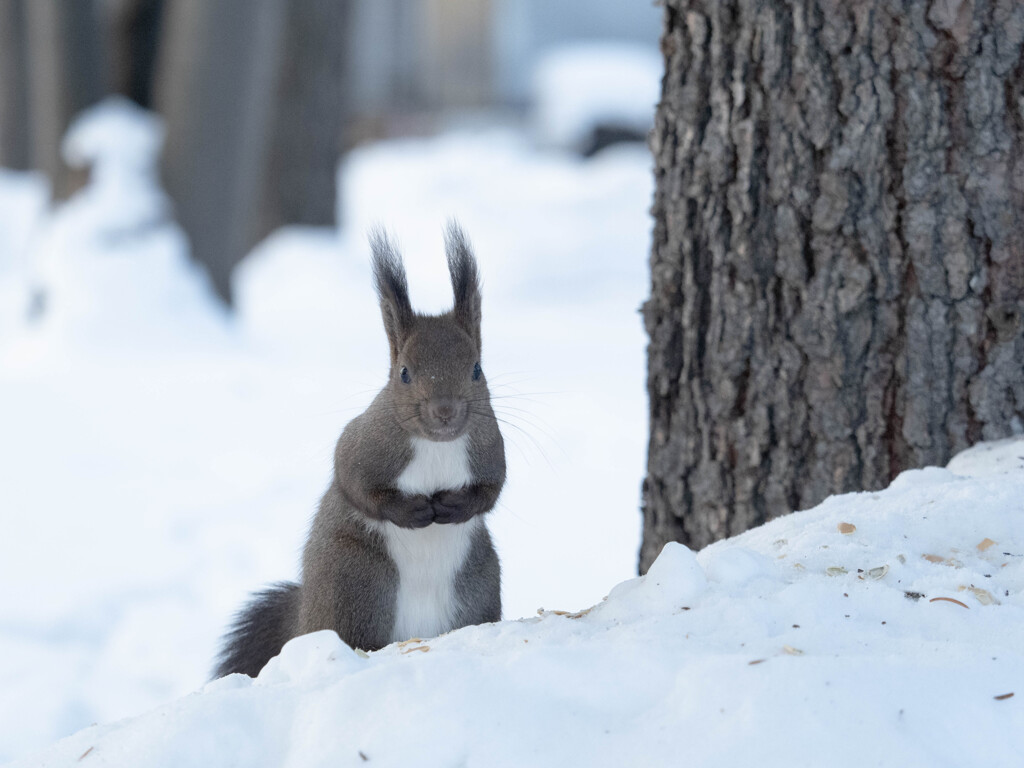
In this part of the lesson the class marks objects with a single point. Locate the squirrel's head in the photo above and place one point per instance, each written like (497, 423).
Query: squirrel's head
(436, 384)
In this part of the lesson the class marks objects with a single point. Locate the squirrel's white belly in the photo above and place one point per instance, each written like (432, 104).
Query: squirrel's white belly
(429, 559)
(436, 466)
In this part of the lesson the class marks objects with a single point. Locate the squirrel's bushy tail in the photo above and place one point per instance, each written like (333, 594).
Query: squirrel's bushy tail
(259, 630)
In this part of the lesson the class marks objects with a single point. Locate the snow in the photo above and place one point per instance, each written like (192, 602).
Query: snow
(581, 86)
(756, 650)
(113, 265)
(159, 459)
(25, 199)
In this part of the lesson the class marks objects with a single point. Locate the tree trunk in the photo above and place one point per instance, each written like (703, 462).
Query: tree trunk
(15, 137)
(307, 138)
(838, 255)
(133, 33)
(252, 94)
(65, 77)
(215, 82)
(50, 69)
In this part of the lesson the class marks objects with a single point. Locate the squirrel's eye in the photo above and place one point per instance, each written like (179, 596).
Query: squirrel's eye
(406, 376)
(477, 372)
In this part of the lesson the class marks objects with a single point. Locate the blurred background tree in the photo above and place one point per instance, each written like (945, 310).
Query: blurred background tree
(50, 69)
(261, 97)
(838, 255)
(254, 97)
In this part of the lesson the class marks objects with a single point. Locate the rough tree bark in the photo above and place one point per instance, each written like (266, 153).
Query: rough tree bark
(838, 255)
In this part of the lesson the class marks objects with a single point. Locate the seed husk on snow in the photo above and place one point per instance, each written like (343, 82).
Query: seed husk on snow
(984, 596)
(950, 600)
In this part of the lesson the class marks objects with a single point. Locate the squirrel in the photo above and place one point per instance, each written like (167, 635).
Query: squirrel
(398, 548)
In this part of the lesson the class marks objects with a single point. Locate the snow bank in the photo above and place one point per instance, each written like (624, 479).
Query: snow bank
(876, 629)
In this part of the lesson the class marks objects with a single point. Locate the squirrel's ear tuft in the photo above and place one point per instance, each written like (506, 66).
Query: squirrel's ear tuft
(392, 289)
(465, 280)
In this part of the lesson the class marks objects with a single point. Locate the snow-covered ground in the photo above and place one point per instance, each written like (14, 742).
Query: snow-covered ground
(877, 629)
(159, 459)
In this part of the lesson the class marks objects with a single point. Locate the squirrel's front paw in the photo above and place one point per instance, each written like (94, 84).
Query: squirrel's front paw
(412, 512)
(452, 507)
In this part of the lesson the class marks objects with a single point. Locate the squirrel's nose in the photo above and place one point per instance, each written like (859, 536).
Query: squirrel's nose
(443, 411)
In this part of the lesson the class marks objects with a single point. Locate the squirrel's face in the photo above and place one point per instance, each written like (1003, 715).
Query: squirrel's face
(437, 385)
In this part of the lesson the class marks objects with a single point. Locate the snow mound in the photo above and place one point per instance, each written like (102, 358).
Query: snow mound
(308, 659)
(876, 629)
(993, 458)
(116, 134)
(111, 267)
(673, 582)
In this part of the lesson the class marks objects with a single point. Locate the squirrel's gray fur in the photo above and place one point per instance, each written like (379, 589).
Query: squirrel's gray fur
(413, 476)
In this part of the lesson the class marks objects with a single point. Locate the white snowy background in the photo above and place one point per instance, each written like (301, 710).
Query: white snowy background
(160, 458)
